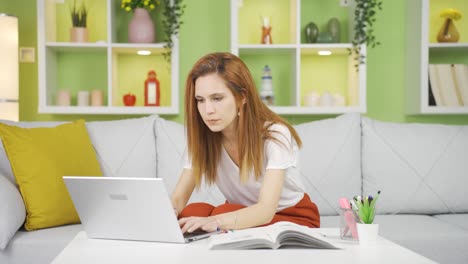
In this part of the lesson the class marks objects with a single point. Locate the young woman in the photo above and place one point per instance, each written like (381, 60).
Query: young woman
(239, 144)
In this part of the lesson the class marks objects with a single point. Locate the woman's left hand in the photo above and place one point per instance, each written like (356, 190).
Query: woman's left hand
(193, 223)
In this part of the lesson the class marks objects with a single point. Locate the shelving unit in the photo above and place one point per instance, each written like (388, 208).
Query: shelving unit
(297, 68)
(107, 62)
(424, 23)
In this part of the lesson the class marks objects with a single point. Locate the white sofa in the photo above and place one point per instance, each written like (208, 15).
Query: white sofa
(421, 169)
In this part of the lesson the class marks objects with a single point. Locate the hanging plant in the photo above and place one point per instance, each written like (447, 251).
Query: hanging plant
(172, 20)
(364, 19)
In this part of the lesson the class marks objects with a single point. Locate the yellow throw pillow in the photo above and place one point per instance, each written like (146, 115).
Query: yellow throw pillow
(39, 158)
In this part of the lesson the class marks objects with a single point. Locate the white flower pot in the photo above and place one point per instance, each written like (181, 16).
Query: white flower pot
(368, 234)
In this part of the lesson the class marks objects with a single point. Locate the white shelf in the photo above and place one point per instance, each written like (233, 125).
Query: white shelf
(445, 110)
(104, 62)
(327, 46)
(139, 46)
(76, 45)
(301, 60)
(270, 46)
(448, 45)
(308, 110)
(105, 110)
(421, 51)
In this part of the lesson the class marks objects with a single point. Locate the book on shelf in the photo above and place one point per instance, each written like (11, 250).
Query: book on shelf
(435, 84)
(460, 73)
(447, 85)
(278, 235)
(431, 100)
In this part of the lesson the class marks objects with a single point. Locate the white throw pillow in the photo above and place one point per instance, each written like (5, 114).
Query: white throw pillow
(330, 160)
(12, 211)
(171, 144)
(125, 148)
(420, 168)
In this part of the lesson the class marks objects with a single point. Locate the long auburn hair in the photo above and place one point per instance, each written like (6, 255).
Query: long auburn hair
(204, 145)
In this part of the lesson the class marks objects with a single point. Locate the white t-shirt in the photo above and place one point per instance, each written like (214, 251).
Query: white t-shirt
(277, 156)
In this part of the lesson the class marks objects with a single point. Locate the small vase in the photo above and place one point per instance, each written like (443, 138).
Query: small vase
(448, 32)
(311, 32)
(333, 27)
(79, 34)
(141, 27)
(266, 35)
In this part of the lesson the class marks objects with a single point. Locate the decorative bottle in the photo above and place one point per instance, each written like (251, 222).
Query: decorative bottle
(266, 31)
(266, 91)
(152, 90)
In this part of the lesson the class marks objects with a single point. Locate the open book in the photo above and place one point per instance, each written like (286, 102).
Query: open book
(278, 235)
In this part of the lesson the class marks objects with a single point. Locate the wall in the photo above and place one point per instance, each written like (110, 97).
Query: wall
(206, 29)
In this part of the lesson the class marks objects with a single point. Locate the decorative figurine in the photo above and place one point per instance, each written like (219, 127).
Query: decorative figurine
(129, 99)
(266, 31)
(152, 90)
(266, 92)
(333, 27)
(324, 37)
(311, 32)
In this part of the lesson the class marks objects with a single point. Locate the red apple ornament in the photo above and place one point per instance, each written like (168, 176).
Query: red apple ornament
(129, 99)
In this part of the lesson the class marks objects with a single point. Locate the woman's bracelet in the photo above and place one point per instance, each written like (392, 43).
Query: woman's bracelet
(218, 224)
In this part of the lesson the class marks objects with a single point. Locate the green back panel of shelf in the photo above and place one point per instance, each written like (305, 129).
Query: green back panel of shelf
(132, 72)
(436, 22)
(250, 22)
(78, 71)
(447, 56)
(282, 68)
(319, 12)
(316, 74)
(122, 19)
(96, 22)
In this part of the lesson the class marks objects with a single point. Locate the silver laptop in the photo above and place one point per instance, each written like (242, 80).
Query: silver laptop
(127, 208)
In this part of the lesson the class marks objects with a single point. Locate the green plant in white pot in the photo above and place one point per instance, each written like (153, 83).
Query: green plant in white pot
(365, 209)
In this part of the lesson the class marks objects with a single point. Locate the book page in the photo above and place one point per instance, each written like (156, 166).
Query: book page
(250, 238)
(289, 234)
(281, 234)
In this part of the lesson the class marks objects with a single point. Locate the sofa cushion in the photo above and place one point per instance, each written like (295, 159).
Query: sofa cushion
(426, 235)
(171, 142)
(12, 211)
(420, 168)
(40, 246)
(330, 221)
(330, 159)
(460, 220)
(39, 158)
(133, 156)
(5, 167)
(125, 148)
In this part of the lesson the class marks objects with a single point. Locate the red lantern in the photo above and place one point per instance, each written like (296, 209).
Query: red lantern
(152, 90)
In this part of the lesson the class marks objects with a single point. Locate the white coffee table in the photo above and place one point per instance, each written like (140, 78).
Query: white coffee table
(85, 250)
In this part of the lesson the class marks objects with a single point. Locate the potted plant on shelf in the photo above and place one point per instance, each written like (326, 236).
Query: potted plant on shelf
(448, 32)
(79, 16)
(144, 32)
(141, 26)
(364, 19)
